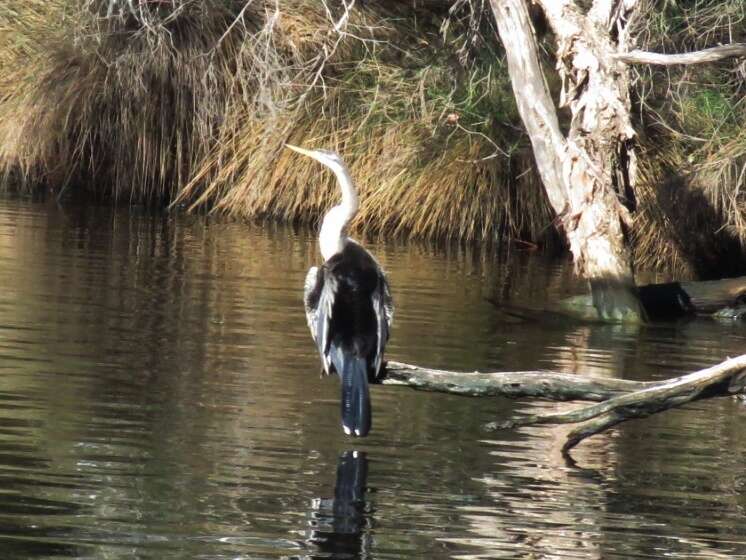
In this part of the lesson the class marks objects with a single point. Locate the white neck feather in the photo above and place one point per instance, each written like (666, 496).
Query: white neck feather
(333, 236)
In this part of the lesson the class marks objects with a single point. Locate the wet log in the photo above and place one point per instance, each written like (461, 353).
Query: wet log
(673, 300)
(677, 299)
(618, 400)
(712, 295)
(724, 379)
(542, 384)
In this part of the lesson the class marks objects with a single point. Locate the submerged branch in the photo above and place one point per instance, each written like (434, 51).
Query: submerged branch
(620, 400)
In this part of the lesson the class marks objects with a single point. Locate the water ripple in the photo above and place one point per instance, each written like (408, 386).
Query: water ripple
(160, 398)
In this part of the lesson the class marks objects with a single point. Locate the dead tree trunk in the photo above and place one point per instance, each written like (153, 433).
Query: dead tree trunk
(588, 174)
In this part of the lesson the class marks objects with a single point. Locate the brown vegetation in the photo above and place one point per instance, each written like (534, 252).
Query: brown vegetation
(693, 124)
(192, 100)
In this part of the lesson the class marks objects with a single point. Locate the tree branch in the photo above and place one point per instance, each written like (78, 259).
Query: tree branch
(620, 399)
(720, 380)
(511, 384)
(707, 55)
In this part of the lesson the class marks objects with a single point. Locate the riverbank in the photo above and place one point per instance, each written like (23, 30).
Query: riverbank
(192, 102)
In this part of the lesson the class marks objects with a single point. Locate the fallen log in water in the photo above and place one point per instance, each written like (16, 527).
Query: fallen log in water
(671, 300)
(620, 399)
(540, 384)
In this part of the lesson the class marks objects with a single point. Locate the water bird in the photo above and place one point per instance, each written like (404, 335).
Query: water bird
(348, 303)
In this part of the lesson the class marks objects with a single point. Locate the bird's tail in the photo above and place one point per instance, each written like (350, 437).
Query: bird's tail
(353, 371)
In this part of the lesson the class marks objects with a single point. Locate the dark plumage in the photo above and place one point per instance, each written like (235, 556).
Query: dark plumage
(349, 309)
(348, 304)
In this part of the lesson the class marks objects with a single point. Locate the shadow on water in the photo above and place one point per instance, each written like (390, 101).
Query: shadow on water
(339, 527)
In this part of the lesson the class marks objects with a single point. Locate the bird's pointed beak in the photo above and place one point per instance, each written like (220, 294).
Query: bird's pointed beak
(303, 151)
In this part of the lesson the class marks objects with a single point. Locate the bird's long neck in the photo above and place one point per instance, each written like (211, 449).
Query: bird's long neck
(333, 236)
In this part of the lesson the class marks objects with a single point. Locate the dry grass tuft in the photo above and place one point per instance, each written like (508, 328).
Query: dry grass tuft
(110, 103)
(192, 101)
(429, 141)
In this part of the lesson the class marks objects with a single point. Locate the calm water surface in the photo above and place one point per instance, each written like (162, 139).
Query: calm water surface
(160, 398)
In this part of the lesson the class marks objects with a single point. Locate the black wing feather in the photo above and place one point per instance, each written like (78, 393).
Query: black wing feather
(349, 306)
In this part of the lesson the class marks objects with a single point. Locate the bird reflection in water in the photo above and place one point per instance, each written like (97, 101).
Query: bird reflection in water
(340, 526)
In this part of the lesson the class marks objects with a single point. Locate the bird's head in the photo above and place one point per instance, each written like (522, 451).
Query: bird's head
(326, 157)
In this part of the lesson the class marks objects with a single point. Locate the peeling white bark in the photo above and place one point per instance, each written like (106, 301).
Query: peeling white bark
(535, 104)
(588, 174)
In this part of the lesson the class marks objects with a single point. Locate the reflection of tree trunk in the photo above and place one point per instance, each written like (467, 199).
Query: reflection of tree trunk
(588, 173)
